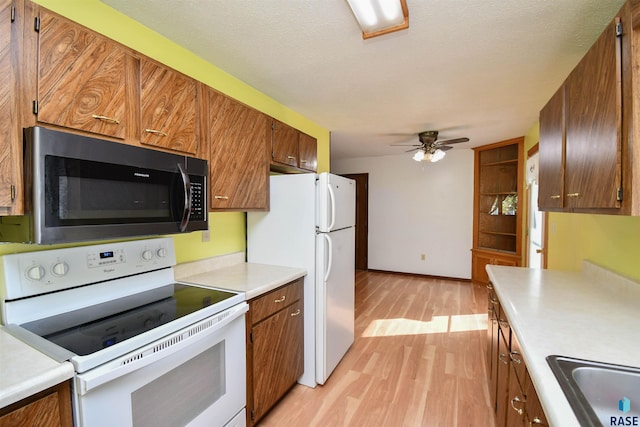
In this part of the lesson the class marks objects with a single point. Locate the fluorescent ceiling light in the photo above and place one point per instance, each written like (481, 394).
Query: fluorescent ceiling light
(378, 17)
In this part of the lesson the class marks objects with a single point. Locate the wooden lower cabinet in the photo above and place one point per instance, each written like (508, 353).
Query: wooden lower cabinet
(275, 347)
(49, 408)
(480, 259)
(513, 394)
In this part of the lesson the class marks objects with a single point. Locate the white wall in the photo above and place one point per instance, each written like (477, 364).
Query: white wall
(418, 208)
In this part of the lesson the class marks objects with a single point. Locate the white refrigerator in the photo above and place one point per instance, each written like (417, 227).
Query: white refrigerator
(311, 224)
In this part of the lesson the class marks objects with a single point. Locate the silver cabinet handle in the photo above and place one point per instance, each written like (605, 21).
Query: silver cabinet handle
(221, 197)
(156, 132)
(503, 358)
(295, 313)
(503, 323)
(555, 196)
(515, 359)
(291, 157)
(281, 299)
(573, 194)
(106, 119)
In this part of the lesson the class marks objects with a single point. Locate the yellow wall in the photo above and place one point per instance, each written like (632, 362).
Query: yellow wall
(608, 240)
(227, 229)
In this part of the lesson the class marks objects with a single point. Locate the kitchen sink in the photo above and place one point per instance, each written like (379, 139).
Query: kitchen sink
(600, 394)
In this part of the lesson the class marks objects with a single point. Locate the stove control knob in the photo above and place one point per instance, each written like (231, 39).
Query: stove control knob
(36, 272)
(147, 255)
(60, 268)
(162, 252)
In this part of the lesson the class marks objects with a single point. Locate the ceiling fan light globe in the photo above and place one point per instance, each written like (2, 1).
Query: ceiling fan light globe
(437, 155)
(418, 156)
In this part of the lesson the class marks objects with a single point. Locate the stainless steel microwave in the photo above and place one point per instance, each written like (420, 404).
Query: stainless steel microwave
(80, 188)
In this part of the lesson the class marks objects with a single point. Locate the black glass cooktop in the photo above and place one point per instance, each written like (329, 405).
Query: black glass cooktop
(91, 329)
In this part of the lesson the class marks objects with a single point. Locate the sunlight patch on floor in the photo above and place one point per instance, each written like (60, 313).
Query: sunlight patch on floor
(437, 325)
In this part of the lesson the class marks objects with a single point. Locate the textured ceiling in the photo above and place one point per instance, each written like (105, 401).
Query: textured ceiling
(476, 68)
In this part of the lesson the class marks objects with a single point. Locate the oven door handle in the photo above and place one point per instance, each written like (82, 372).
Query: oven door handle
(186, 212)
(164, 347)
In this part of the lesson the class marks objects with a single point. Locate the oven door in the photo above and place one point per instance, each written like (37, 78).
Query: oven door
(88, 189)
(194, 377)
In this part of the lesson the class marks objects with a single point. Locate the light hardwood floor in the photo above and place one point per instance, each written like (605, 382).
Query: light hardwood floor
(418, 360)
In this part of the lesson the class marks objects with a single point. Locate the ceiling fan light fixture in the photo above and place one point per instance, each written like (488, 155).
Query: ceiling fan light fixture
(437, 155)
(378, 17)
(419, 156)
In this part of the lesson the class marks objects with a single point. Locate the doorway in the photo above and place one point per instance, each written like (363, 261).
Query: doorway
(536, 220)
(362, 219)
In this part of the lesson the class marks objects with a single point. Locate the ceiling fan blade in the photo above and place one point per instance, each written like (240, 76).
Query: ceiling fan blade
(444, 148)
(406, 145)
(453, 141)
(413, 149)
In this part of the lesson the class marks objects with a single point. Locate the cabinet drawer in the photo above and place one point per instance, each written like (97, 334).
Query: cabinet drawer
(276, 300)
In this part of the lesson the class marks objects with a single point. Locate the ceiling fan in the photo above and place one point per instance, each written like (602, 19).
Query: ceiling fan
(429, 148)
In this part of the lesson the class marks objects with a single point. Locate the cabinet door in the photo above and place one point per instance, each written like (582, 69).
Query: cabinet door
(593, 126)
(551, 157)
(284, 144)
(492, 344)
(50, 408)
(168, 108)
(535, 413)
(479, 263)
(10, 132)
(308, 152)
(516, 402)
(278, 357)
(81, 78)
(502, 386)
(239, 160)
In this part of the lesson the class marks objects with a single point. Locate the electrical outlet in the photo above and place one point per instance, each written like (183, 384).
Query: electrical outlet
(206, 235)
(423, 257)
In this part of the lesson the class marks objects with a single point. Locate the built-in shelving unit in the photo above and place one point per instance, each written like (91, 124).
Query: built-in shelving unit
(497, 206)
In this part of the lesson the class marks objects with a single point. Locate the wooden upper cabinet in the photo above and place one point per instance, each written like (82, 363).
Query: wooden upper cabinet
(10, 132)
(308, 152)
(168, 108)
(593, 126)
(81, 78)
(581, 161)
(239, 155)
(551, 153)
(284, 144)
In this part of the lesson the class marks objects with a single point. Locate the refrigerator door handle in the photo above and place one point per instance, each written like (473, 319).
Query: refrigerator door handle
(330, 257)
(332, 200)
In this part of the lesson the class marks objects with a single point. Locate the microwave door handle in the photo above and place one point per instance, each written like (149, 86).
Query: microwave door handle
(187, 199)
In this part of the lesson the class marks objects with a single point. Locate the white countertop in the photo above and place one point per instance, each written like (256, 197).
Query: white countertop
(25, 371)
(590, 315)
(250, 278)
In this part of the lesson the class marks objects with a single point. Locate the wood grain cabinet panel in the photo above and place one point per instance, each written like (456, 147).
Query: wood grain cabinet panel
(239, 155)
(50, 408)
(284, 144)
(10, 131)
(551, 153)
(582, 133)
(511, 390)
(593, 122)
(81, 78)
(275, 347)
(308, 152)
(168, 108)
